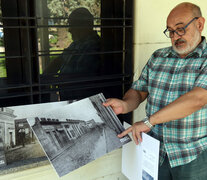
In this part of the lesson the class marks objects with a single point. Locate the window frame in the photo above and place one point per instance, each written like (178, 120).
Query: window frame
(24, 83)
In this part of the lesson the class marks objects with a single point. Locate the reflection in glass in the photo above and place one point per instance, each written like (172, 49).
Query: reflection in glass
(35, 33)
(53, 32)
(2, 53)
(3, 74)
(79, 57)
(69, 44)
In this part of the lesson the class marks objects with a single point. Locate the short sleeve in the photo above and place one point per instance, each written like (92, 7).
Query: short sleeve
(201, 80)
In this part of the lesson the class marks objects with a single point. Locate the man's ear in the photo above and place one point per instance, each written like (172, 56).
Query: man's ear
(201, 22)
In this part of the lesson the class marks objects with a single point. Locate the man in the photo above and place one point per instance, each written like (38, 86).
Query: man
(80, 59)
(174, 82)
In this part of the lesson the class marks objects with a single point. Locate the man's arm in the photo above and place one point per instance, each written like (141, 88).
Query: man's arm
(133, 98)
(180, 108)
(130, 101)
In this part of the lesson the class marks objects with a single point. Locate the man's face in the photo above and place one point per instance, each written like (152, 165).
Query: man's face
(79, 30)
(186, 43)
(75, 33)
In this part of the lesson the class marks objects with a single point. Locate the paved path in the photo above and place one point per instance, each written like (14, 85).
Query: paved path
(20, 153)
(86, 149)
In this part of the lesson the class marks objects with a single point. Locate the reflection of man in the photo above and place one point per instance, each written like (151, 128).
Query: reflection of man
(174, 82)
(78, 58)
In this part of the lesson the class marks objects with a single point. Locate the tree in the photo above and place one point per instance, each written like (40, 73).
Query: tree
(63, 8)
(59, 11)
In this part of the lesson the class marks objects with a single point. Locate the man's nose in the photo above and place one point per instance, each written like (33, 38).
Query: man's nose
(176, 36)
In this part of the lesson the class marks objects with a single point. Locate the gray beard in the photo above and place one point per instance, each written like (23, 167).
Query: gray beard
(189, 47)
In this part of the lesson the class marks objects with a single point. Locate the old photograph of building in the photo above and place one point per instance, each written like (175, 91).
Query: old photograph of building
(18, 144)
(78, 133)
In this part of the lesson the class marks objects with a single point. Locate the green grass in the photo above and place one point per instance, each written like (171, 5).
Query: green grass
(2, 66)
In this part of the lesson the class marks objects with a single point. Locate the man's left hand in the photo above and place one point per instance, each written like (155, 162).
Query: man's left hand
(136, 129)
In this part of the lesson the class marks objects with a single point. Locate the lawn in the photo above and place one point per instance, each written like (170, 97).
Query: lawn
(2, 66)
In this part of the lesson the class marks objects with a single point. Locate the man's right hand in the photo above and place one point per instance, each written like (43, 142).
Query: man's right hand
(131, 100)
(119, 106)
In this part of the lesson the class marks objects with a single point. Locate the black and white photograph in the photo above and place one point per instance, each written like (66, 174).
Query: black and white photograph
(146, 175)
(2, 154)
(78, 133)
(19, 147)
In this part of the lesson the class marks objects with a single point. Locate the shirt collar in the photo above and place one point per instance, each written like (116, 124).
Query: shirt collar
(198, 51)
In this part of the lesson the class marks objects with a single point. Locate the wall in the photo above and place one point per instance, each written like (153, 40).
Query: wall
(107, 167)
(150, 22)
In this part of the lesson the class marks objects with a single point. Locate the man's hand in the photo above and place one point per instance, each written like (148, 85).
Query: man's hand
(118, 106)
(136, 129)
(131, 101)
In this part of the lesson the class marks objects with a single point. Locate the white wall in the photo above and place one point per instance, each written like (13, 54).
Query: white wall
(150, 22)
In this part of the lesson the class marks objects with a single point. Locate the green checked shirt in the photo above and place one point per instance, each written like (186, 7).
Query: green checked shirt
(166, 77)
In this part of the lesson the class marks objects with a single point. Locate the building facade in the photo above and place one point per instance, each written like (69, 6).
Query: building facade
(56, 136)
(7, 127)
(24, 134)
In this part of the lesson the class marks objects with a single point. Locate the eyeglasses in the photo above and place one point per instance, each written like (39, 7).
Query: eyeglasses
(178, 31)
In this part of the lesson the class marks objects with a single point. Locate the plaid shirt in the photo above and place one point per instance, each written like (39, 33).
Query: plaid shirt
(166, 77)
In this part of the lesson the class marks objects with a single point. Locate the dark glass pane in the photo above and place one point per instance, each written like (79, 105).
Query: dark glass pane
(56, 50)
(67, 36)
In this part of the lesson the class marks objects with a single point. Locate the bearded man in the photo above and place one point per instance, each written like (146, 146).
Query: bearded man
(174, 82)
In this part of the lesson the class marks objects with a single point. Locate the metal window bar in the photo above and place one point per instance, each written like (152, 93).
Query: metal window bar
(29, 55)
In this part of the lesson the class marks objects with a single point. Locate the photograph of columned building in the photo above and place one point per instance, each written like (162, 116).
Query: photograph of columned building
(7, 127)
(78, 133)
(2, 154)
(17, 140)
(18, 144)
(56, 136)
(106, 114)
(24, 134)
(7, 133)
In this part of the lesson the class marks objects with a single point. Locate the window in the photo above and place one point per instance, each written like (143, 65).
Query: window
(53, 50)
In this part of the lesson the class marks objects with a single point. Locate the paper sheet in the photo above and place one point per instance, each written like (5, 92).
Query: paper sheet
(140, 162)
